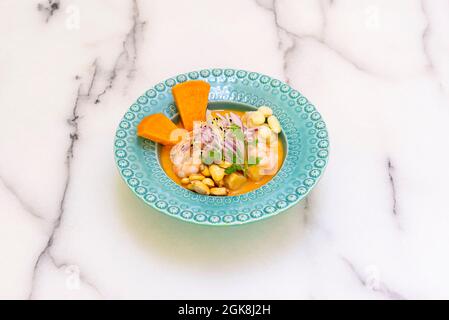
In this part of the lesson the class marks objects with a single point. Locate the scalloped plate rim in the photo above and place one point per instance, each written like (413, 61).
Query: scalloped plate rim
(235, 221)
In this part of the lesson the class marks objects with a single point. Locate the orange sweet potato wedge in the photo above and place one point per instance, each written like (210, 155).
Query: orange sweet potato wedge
(158, 128)
(191, 99)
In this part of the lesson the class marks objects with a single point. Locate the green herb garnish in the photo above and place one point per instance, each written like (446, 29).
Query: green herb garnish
(235, 167)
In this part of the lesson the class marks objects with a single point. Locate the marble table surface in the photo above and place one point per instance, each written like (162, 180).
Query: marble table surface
(375, 227)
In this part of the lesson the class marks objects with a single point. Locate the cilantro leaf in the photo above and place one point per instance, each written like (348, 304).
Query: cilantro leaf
(235, 167)
(231, 169)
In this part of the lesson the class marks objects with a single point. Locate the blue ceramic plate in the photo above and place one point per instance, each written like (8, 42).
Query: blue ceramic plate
(304, 134)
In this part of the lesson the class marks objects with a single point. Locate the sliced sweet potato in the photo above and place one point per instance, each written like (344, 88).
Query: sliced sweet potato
(191, 99)
(158, 128)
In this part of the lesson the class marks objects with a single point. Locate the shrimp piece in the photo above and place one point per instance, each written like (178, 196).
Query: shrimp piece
(186, 168)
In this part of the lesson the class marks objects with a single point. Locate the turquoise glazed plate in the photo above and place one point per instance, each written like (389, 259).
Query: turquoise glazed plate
(303, 132)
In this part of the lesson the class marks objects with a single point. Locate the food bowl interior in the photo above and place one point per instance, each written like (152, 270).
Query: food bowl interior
(229, 105)
(304, 141)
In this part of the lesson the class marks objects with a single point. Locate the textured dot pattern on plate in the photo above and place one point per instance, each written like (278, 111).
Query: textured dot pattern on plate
(306, 147)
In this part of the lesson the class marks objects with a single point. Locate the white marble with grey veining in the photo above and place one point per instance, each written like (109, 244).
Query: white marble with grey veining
(375, 227)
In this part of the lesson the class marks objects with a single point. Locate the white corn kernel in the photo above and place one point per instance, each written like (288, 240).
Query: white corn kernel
(200, 187)
(208, 182)
(196, 176)
(216, 172)
(218, 191)
(266, 111)
(274, 124)
(205, 172)
(185, 180)
(256, 118)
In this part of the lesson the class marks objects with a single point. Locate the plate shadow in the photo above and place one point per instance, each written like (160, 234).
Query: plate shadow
(216, 247)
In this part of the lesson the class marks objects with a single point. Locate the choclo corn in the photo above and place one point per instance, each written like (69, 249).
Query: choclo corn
(216, 172)
(208, 182)
(274, 124)
(218, 191)
(266, 111)
(205, 172)
(200, 187)
(196, 176)
(256, 118)
(185, 180)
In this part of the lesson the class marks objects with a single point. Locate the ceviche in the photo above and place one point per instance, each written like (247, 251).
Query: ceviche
(215, 152)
